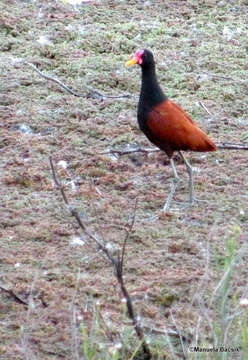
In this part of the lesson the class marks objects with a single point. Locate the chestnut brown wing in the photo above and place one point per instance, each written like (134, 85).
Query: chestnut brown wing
(172, 129)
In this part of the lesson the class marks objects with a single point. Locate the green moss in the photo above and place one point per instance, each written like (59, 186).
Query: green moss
(167, 297)
(88, 52)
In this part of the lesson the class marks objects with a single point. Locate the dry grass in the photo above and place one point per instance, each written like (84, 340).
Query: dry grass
(166, 258)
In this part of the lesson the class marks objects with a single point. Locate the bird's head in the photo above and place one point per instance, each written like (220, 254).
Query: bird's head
(143, 57)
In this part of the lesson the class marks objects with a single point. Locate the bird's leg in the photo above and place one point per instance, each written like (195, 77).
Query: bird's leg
(190, 171)
(191, 182)
(174, 186)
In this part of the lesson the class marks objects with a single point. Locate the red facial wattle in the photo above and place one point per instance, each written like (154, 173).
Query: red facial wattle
(139, 56)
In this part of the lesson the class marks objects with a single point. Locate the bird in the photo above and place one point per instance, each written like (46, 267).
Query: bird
(166, 124)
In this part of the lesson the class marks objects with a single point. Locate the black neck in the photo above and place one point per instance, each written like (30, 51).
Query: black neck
(151, 94)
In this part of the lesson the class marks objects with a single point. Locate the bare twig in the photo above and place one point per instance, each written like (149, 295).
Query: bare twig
(205, 108)
(94, 94)
(201, 290)
(131, 151)
(74, 340)
(220, 146)
(116, 262)
(131, 313)
(47, 77)
(96, 215)
(179, 333)
(27, 328)
(16, 297)
(129, 304)
(232, 146)
(239, 81)
(129, 230)
(76, 215)
(105, 327)
(171, 347)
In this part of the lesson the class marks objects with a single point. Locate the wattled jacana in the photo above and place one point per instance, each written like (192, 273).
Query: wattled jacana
(166, 124)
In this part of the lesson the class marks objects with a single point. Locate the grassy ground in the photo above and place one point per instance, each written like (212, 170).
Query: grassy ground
(174, 264)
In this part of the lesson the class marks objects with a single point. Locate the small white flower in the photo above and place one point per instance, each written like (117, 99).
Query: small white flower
(62, 164)
(26, 129)
(74, 2)
(73, 185)
(16, 60)
(44, 41)
(31, 304)
(113, 157)
(114, 349)
(243, 302)
(109, 246)
(76, 241)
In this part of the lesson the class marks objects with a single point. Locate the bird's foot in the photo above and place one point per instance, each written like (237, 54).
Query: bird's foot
(162, 215)
(181, 206)
(195, 200)
(174, 210)
(191, 203)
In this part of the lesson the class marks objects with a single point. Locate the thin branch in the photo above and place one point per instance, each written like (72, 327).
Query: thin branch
(220, 146)
(179, 333)
(205, 108)
(105, 327)
(171, 347)
(130, 228)
(97, 216)
(239, 81)
(232, 146)
(131, 314)
(74, 331)
(234, 261)
(129, 304)
(47, 77)
(57, 182)
(16, 297)
(76, 215)
(116, 262)
(94, 94)
(201, 288)
(131, 151)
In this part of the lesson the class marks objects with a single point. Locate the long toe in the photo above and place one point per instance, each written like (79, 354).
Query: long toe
(182, 206)
(194, 200)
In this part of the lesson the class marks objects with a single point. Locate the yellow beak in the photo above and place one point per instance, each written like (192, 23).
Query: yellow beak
(131, 62)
